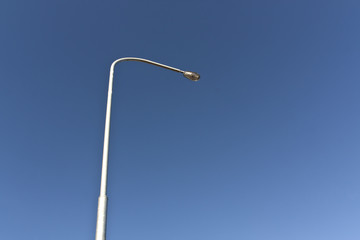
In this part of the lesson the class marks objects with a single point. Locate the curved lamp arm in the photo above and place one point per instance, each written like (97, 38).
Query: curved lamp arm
(102, 204)
(189, 75)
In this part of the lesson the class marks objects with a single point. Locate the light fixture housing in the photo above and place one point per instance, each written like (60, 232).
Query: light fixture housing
(193, 76)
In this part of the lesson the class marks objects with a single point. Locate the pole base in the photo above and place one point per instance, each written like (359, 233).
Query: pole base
(101, 218)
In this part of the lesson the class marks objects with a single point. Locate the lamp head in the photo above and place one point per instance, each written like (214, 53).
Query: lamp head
(193, 76)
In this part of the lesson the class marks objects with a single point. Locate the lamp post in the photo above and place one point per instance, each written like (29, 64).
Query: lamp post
(102, 204)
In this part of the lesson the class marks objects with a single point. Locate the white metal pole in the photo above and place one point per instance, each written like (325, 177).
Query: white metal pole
(102, 202)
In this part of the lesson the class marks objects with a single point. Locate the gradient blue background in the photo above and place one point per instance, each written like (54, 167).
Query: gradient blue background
(264, 147)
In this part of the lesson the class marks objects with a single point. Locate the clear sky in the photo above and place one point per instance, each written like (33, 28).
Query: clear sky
(266, 146)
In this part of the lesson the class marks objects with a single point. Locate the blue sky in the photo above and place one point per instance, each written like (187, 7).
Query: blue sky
(264, 146)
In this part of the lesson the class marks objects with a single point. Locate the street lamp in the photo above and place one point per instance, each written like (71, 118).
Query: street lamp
(102, 204)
